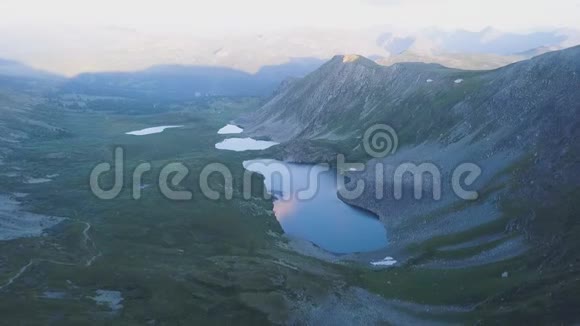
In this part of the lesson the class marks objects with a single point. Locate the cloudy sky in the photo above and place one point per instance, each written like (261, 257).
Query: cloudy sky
(73, 36)
(235, 15)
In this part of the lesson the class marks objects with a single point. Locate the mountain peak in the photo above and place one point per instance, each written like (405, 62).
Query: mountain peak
(353, 59)
(350, 58)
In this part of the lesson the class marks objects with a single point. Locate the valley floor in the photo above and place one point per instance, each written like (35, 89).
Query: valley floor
(155, 261)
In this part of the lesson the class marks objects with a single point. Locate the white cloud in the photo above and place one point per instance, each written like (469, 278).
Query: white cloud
(265, 14)
(72, 36)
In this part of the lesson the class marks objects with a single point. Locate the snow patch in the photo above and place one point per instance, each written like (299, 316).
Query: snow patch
(34, 181)
(150, 131)
(48, 178)
(230, 129)
(15, 224)
(109, 298)
(244, 144)
(387, 261)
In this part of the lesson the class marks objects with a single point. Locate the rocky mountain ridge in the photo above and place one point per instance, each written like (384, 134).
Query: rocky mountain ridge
(519, 124)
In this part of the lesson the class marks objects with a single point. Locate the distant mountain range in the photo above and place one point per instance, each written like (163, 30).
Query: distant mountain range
(469, 61)
(486, 49)
(11, 68)
(180, 82)
(127, 50)
(486, 41)
(229, 67)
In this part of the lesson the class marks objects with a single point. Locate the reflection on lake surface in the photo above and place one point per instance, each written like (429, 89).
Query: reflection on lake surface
(317, 214)
(244, 144)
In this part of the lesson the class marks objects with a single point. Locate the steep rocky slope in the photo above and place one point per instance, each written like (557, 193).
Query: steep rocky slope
(519, 124)
(409, 96)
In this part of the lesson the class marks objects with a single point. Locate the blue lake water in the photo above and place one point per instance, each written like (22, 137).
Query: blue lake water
(318, 215)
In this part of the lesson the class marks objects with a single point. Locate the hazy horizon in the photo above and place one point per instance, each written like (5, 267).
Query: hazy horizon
(71, 37)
